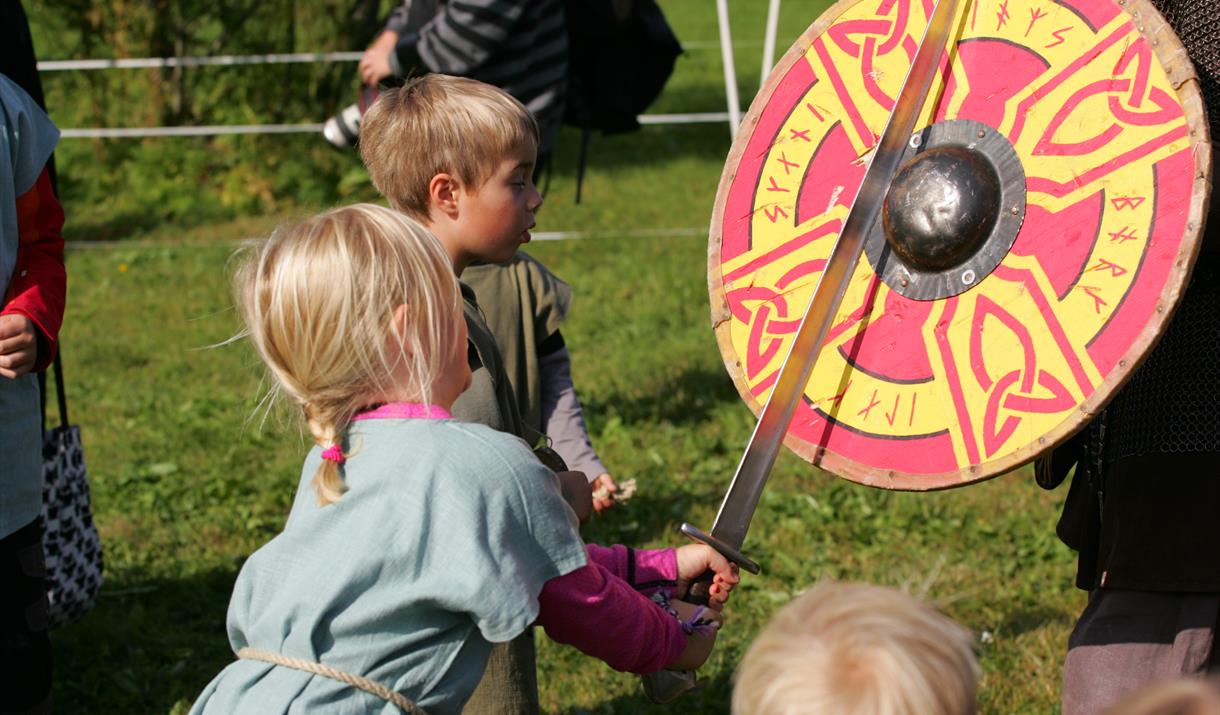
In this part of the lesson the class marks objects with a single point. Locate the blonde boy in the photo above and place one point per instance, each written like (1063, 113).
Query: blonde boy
(458, 155)
(857, 649)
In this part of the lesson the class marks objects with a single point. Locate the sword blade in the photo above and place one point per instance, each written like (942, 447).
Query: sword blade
(733, 520)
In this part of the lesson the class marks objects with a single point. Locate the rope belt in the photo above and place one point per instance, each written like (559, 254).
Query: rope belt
(368, 686)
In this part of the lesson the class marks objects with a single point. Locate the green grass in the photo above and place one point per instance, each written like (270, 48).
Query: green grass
(187, 483)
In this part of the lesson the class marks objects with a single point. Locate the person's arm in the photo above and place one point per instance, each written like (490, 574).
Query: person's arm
(460, 38)
(378, 61)
(645, 570)
(602, 616)
(563, 419)
(34, 306)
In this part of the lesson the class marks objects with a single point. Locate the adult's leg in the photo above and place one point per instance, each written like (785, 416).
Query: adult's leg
(25, 644)
(1127, 639)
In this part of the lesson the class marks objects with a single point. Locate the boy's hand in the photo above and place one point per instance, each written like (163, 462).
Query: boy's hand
(694, 560)
(577, 493)
(699, 643)
(604, 489)
(375, 63)
(18, 345)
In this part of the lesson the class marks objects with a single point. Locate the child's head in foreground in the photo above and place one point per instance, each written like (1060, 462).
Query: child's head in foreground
(458, 155)
(858, 649)
(351, 308)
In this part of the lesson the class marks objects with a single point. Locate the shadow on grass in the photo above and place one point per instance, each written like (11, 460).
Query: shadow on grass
(118, 227)
(651, 517)
(687, 399)
(146, 646)
(649, 146)
(1031, 619)
(712, 696)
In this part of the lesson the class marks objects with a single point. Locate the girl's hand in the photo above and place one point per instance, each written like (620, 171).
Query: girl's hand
(577, 493)
(694, 560)
(699, 643)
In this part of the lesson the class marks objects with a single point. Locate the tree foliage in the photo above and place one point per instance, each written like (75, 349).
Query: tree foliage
(119, 186)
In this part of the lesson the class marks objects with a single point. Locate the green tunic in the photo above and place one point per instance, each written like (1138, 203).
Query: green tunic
(489, 400)
(524, 304)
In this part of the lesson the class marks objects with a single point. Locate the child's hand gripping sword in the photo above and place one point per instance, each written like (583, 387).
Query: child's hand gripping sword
(733, 519)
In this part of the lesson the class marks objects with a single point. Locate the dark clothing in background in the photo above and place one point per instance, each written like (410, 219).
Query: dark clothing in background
(520, 46)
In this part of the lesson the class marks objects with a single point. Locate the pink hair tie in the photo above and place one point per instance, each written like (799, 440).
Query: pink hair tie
(334, 453)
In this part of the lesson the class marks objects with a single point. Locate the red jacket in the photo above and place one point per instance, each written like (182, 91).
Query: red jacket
(38, 286)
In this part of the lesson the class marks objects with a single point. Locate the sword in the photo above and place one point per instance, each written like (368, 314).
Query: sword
(733, 520)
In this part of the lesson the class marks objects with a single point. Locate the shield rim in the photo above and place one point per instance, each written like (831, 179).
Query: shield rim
(1179, 69)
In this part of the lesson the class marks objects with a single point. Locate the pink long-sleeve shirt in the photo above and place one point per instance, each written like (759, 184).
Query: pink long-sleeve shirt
(609, 595)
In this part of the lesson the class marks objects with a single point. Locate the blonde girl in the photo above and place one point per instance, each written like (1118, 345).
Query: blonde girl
(414, 541)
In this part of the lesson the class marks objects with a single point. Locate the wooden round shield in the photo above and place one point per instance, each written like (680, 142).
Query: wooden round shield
(991, 368)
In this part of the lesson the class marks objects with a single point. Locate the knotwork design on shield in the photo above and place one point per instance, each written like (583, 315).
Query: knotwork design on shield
(1084, 119)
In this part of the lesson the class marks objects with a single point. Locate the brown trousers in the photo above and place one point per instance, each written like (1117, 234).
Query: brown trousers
(1127, 639)
(510, 683)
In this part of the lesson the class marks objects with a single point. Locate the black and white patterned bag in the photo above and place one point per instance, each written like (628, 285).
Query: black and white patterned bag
(70, 540)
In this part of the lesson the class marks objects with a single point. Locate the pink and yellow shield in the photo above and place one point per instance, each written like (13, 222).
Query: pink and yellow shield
(1100, 103)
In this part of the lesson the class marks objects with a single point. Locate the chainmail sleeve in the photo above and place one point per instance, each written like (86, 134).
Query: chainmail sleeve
(1197, 23)
(1169, 406)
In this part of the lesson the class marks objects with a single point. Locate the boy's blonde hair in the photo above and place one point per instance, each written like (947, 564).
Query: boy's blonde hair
(438, 124)
(318, 300)
(858, 649)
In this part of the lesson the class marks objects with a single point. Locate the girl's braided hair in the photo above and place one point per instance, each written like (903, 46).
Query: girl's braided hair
(319, 299)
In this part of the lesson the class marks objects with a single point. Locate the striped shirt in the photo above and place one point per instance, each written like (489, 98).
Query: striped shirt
(520, 46)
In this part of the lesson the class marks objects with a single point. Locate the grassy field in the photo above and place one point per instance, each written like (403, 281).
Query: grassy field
(187, 483)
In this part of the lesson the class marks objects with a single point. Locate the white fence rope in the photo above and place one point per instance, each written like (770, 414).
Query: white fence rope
(267, 59)
(201, 131)
(222, 60)
(535, 236)
(315, 127)
(297, 128)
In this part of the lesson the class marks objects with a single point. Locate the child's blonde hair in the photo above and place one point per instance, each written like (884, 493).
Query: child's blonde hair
(858, 649)
(438, 124)
(1183, 696)
(318, 300)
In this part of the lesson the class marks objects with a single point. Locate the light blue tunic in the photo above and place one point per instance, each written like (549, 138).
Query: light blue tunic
(27, 137)
(439, 547)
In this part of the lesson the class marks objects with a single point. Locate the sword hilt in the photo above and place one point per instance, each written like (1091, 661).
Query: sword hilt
(666, 686)
(726, 550)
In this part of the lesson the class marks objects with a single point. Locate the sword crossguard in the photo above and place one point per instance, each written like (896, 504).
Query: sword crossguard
(727, 551)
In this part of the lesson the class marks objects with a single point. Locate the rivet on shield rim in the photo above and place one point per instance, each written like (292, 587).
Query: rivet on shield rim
(916, 141)
(1015, 210)
(968, 277)
(1122, 363)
